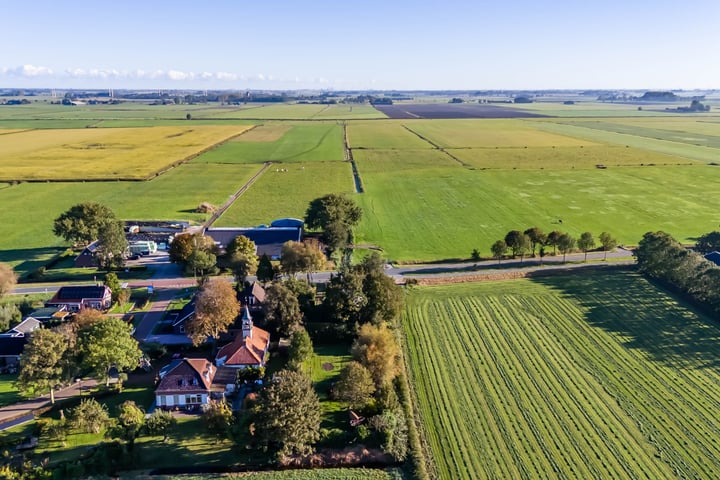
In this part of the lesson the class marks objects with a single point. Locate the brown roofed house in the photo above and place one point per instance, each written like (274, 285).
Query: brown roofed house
(75, 298)
(249, 348)
(185, 384)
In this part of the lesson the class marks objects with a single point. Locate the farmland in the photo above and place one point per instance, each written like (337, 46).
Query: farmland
(129, 153)
(590, 376)
(283, 143)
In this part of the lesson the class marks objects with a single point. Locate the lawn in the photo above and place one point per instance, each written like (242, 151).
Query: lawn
(299, 143)
(30, 208)
(8, 393)
(281, 194)
(427, 214)
(584, 376)
(104, 153)
(325, 368)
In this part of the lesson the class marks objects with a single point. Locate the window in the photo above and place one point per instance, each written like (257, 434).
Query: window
(193, 399)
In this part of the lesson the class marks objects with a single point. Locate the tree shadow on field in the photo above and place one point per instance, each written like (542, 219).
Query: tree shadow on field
(645, 315)
(25, 260)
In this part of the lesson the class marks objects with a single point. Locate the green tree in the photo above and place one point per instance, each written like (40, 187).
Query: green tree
(8, 279)
(281, 307)
(130, 422)
(300, 349)
(9, 315)
(159, 423)
(552, 240)
(565, 244)
(217, 419)
(518, 243)
(201, 262)
(89, 416)
(113, 283)
(107, 344)
(355, 385)
(384, 298)
(536, 236)
(336, 215)
(392, 425)
(586, 242)
(41, 364)
(708, 242)
(216, 308)
(242, 245)
(498, 250)
(81, 224)
(301, 257)
(265, 270)
(287, 414)
(377, 349)
(185, 244)
(608, 242)
(305, 293)
(112, 244)
(345, 299)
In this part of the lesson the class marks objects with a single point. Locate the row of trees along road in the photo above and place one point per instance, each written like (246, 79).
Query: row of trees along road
(533, 239)
(86, 222)
(662, 257)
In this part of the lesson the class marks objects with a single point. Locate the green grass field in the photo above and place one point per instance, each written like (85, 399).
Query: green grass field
(389, 134)
(284, 111)
(585, 376)
(280, 194)
(28, 241)
(281, 143)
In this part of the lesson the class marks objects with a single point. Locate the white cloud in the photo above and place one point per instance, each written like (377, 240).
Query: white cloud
(29, 71)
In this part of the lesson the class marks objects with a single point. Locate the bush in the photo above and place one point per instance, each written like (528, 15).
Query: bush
(206, 207)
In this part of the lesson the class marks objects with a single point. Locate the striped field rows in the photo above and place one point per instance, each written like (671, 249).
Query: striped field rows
(592, 376)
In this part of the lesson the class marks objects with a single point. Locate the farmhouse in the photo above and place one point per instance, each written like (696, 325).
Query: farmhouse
(87, 257)
(185, 383)
(186, 313)
(249, 349)
(76, 298)
(252, 296)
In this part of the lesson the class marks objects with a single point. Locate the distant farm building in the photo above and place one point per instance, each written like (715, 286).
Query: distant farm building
(268, 240)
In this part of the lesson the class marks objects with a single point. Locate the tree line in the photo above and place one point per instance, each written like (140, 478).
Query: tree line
(661, 257)
(521, 243)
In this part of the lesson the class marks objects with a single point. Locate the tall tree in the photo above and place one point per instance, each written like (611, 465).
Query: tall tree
(552, 240)
(355, 385)
(107, 344)
(586, 242)
(287, 415)
(185, 244)
(201, 262)
(113, 283)
(498, 249)
(536, 236)
(41, 364)
(281, 308)
(242, 245)
(130, 421)
(241, 266)
(216, 308)
(345, 299)
(265, 270)
(608, 242)
(336, 215)
(112, 244)
(217, 419)
(300, 349)
(8, 279)
(565, 244)
(377, 349)
(518, 243)
(82, 222)
(384, 298)
(301, 257)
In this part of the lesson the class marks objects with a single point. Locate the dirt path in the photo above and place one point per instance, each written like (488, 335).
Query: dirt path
(235, 196)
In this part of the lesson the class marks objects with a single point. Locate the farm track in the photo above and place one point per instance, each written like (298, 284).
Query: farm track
(349, 158)
(236, 195)
(521, 383)
(438, 147)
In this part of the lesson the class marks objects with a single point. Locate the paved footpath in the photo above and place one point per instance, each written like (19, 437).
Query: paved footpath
(22, 412)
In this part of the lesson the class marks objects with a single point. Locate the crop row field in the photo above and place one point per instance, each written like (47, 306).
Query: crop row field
(281, 143)
(599, 375)
(103, 153)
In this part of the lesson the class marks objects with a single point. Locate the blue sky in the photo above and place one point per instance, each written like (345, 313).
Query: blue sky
(371, 44)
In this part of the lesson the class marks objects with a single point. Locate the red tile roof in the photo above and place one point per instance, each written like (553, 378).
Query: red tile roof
(192, 375)
(246, 351)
